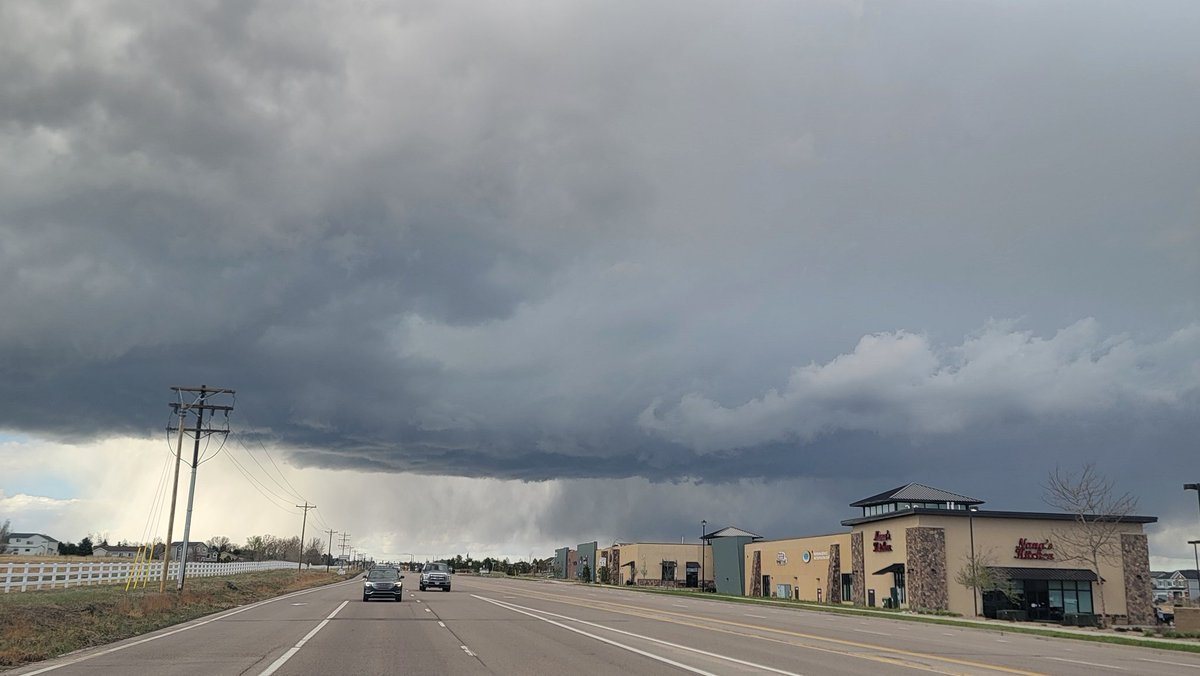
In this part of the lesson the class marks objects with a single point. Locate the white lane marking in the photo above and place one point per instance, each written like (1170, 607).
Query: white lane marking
(1086, 664)
(428, 610)
(531, 613)
(467, 650)
(868, 631)
(1178, 664)
(679, 605)
(296, 648)
(299, 604)
(760, 617)
(946, 633)
(123, 646)
(1000, 640)
(441, 624)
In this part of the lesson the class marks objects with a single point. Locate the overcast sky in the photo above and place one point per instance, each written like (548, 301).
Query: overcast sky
(523, 275)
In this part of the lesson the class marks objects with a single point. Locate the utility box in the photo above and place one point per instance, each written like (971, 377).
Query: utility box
(1187, 619)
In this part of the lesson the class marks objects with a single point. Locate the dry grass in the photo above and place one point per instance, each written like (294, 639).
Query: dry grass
(39, 625)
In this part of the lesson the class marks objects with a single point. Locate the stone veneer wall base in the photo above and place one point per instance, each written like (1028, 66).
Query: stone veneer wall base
(756, 574)
(925, 568)
(858, 585)
(1135, 566)
(833, 586)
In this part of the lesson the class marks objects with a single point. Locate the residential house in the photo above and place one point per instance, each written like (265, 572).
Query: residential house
(30, 544)
(115, 551)
(196, 551)
(1178, 587)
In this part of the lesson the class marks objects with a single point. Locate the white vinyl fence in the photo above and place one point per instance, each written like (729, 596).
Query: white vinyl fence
(50, 575)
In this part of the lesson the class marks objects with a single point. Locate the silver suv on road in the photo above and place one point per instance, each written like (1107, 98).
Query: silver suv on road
(435, 575)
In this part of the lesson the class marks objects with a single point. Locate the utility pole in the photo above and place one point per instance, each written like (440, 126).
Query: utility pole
(329, 556)
(162, 581)
(303, 524)
(344, 538)
(200, 405)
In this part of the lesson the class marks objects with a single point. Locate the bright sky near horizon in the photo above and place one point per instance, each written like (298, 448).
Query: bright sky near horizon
(533, 274)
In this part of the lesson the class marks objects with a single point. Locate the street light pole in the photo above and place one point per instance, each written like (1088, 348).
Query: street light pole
(974, 568)
(1196, 554)
(703, 532)
(1194, 487)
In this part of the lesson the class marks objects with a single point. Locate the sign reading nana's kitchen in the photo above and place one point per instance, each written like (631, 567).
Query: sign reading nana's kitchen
(1028, 549)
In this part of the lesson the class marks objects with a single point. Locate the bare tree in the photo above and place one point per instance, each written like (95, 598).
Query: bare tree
(217, 546)
(1099, 520)
(257, 545)
(4, 531)
(978, 573)
(313, 550)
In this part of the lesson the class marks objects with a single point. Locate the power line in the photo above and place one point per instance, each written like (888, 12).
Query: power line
(295, 495)
(272, 459)
(254, 483)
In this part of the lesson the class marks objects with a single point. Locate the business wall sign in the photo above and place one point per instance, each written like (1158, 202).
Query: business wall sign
(1034, 550)
(806, 556)
(883, 541)
(781, 558)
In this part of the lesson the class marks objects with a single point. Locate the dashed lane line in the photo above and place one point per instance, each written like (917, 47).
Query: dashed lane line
(296, 648)
(187, 627)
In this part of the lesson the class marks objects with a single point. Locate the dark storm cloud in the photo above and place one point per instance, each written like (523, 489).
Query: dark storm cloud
(612, 240)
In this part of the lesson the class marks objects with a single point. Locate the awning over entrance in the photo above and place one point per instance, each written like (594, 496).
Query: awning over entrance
(894, 568)
(1045, 573)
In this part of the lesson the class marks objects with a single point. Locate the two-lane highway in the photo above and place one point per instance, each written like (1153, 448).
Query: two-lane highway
(502, 626)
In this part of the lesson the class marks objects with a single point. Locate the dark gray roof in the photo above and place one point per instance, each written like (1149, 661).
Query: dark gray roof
(1189, 573)
(26, 536)
(962, 513)
(1045, 573)
(915, 493)
(730, 532)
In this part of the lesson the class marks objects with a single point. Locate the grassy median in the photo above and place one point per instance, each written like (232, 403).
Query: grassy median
(38, 625)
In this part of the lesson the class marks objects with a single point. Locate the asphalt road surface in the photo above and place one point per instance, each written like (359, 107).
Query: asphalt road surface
(500, 626)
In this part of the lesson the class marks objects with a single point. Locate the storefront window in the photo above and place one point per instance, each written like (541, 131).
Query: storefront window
(1085, 598)
(1070, 596)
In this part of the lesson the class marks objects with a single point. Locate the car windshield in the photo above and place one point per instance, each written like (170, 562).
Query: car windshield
(384, 574)
(436, 567)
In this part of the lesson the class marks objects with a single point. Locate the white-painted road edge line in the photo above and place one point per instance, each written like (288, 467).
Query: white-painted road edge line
(622, 646)
(1178, 664)
(155, 637)
(296, 648)
(1086, 664)
(521, 609)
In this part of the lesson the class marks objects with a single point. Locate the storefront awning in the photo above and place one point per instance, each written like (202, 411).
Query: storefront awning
(1046, 573)
(894, 568)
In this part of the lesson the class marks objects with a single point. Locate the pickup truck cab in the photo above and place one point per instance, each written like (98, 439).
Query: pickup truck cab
(435, 575)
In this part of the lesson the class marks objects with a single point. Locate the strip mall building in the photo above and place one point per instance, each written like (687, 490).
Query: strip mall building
(905, 550)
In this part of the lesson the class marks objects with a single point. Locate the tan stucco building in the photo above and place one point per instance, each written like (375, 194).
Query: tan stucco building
(658, 564)
(909, 543)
